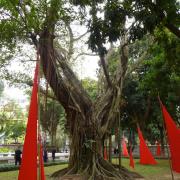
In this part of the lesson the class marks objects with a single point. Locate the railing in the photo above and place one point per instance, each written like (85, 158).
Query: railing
(152, 148)
(9, 157)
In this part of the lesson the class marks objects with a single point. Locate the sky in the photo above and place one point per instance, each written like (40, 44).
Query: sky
(15, 94)
(87, 67)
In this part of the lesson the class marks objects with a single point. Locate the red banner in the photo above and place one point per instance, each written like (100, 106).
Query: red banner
(105, 154)
(131, 160)
(173, 134)
(158, 150)
(124, 148)
(42, 163)
(28, 169)
(146, 156)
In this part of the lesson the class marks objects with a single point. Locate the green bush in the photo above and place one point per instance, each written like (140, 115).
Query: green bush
(5, 168)
(5, 150)
(12, 167)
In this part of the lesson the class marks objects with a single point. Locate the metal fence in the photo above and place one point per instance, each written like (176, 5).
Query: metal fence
(152, 148)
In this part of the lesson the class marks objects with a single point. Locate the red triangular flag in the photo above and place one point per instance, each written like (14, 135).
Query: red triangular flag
(131, 160)
(42, 163)
(158, 150)
(173, 134)
(105, 154)
(145, 155)
(124, 148)
(28, 169)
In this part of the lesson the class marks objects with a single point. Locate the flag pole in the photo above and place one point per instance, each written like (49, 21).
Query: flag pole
(38, 144)
(166, 139)
(119, 139)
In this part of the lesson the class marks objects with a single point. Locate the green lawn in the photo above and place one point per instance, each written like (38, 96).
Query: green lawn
(13, 175)
(158, 172)
(161, 171)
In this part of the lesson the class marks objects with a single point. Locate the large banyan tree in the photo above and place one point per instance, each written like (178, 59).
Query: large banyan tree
(88, 122)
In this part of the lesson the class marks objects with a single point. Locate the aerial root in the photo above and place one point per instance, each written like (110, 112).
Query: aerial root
(99, 170)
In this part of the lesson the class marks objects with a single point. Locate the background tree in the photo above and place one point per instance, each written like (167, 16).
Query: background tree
(14, 131)
(151, 72)
(156, 74)
(90, 86)
(161, 76)
(12, 121)
(51, 116)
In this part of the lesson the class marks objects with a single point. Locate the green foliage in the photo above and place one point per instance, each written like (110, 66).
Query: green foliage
(136, 103)
(10, 25)
(24, 19)
(113, 62)
(12, 111)
(114, 19)
(158, 73)
(12, 120)
(162, 69)
(21, 24)
(84, 3)
(14, 131)
(149, 15)
(97, 35)
(144, 15)
(4, 150)
(6, 168)
(52, 118)
(90, 86)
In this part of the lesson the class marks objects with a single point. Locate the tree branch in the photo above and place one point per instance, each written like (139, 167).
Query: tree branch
(71, 41)
(81, 36)
(160, 12)
(137, 63)
(173, 29)
(84, 54)
(103, 63)
(19, 12)
(62, 80)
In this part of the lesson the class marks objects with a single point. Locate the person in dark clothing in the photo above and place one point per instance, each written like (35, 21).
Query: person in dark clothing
(114, 150)
(18, 156)
(53, 154)
(45, 155)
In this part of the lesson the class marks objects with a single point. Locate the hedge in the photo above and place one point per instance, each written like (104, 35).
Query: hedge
(10, 167)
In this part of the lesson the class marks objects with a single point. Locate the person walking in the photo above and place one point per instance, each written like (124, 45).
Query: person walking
(45, 155)
(53, 153)
(18, 156)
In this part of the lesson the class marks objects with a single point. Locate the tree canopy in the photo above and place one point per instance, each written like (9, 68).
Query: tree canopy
(12, 121)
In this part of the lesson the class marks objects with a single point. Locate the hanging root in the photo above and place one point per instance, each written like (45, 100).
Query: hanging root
(100, 170)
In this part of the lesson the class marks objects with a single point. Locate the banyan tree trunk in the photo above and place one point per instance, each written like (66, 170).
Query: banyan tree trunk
(87, 122)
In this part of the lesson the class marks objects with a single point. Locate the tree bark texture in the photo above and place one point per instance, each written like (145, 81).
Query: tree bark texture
(88, 123)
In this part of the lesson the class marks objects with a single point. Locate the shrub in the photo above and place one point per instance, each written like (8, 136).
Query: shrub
(5, 150)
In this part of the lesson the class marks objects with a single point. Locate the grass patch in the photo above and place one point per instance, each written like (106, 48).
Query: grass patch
(161, 171)
(13, 175)
(12, 167)
(157, 172)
